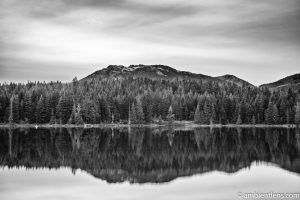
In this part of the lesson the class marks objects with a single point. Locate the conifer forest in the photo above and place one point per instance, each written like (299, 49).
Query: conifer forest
(142, 100)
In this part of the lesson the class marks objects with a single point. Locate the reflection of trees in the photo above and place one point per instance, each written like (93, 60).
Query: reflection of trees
(75, 135)
(149, 155)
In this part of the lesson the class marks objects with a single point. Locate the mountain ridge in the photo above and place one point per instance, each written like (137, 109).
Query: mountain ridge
(162, 72)
(159, 71)
(286, 81)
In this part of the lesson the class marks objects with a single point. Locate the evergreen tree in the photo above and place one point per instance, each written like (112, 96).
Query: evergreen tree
(207, 112)
(27, 108)
(41, 112)
(269, 114)
(73, 114)
(297, 115)
(239, 120)
(64, 109)
(288, 116)
(253, 120)
(90, 113)
(129, 116)
(133, 114)
(170, 116)
(78, 116)
(282, 112)
(147, 109)
(11, 116)
(139, 111)
(52, 118)
(16, 109)
(197, 118)
(275, 114)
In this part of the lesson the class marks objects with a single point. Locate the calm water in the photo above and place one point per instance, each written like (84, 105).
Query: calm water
(147, 163)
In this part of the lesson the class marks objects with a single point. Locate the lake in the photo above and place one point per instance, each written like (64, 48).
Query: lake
(148, 163)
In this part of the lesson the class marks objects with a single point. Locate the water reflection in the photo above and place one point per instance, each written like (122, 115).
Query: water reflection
(141, 155)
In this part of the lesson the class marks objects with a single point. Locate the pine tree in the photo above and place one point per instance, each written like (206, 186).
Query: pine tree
(287, 116)
(129, 116)
(139, 111)
(11, 117)
(239, 120)
(282, 111)
(207, 112)
(16, 109)
(275, 114)
(41, 112)
(27, 108)
(269, 114)
(52, 118)
(73, 114)
(297, 115)
(185, 113)
(147, 108)
(133, 114)
(253, 120)
(64, 109)
(78, 117)
(170, 116)
(90, 112)
(197, 118)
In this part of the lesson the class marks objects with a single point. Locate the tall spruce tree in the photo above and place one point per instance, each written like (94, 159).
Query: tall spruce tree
(133, 114)
(64, 109)
(52, 118)
(16, 109)
(269, 114)
(73, 114)
(239, 120)
(170, 116)
(27, 108)
(78, 116)
(41, 111)
(297, 114)
(139, 111)
(275, 114)
(11, 107)
(197, 116)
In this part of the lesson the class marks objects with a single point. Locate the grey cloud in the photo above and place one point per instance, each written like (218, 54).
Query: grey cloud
(55, 8)
(270, 27)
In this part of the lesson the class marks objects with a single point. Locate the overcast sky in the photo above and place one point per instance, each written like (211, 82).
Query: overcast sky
(257, 40)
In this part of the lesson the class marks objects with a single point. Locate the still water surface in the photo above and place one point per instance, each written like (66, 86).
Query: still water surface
(147, 163)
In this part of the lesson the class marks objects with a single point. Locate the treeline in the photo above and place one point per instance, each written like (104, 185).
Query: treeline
(143, 100)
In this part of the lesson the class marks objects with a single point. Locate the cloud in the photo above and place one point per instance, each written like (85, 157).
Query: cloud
(210, 37)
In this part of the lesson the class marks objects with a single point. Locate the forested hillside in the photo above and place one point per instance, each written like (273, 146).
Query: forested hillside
(106, 99)
(290, 81)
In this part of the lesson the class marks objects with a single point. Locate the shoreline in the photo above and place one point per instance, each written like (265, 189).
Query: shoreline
(183, 124)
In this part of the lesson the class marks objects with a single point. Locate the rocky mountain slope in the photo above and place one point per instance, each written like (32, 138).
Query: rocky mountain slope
(161, 72)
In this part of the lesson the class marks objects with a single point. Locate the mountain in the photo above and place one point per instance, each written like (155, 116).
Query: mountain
(150, 71)
(234, 79)
(160, 72)
(293, 80)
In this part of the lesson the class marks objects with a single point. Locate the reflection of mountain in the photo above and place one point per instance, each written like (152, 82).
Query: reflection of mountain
(149, 155)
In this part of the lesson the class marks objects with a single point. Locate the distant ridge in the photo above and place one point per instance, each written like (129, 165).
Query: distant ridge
(287, 81)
